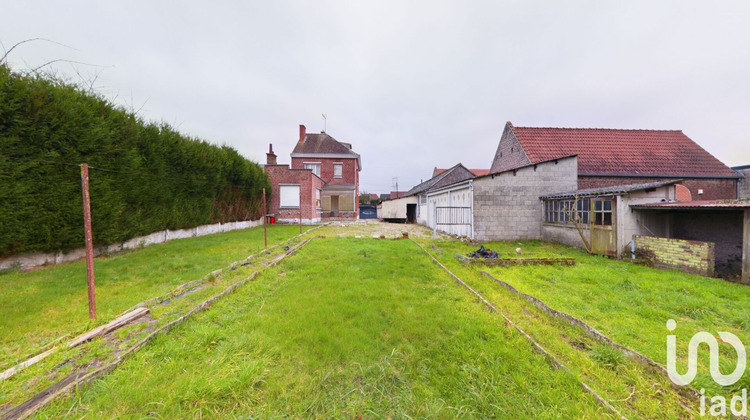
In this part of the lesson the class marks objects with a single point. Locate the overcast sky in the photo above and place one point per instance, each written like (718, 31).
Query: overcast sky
(410, 84)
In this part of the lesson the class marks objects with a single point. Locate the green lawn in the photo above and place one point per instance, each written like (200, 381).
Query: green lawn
(629, 303)
(38, 306)
(374, 329)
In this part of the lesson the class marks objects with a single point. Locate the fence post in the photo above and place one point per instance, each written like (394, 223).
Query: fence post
(434, 223)
(89, 240)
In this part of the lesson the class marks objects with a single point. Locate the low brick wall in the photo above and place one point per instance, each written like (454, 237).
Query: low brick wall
(690, 256)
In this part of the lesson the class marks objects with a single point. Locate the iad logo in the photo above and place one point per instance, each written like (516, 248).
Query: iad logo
(713, 345)
(738, 404)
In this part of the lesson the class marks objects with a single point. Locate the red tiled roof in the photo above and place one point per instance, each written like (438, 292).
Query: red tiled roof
(622, 152)
(480, 172)
(477, 172)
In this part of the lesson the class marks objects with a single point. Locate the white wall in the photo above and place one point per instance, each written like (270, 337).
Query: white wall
(396, 209)
(28, 261)
(631, 222)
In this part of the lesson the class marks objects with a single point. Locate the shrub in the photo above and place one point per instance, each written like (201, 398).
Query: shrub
(144, 177)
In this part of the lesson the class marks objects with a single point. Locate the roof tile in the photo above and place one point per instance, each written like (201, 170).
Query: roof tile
(625, 152)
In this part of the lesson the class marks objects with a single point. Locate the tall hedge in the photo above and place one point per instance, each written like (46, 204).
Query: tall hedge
(144, 178)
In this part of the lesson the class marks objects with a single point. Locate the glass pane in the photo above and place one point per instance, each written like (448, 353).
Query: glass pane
(598, 219)
(597, 205)
(608, 219)
(608, 205)
(585, 218)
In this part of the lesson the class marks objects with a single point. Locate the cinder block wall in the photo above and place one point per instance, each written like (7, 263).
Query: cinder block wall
(745, 183)
(689, 256)
(507, 205)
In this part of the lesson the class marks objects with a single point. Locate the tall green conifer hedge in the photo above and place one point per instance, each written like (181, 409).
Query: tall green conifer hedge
(144, 177)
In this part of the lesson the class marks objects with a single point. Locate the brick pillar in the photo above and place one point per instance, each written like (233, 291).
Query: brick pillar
(746, 248)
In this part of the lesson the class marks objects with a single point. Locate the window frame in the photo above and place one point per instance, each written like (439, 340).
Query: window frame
(282, 195)
(556, 210)
(600, 214)
(339, 165)
(315, 165)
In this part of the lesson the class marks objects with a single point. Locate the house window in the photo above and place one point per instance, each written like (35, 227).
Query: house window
(314, 166)
(289, 196)
(337, 170)
(317, 199)
(561, 211)
(603, 212)
(422, 199)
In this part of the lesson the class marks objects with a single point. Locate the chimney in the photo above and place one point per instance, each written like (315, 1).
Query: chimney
(302, 133)
(270, 156)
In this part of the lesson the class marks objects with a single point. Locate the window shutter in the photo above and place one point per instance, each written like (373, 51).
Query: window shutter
(289, 195)
(346, 203)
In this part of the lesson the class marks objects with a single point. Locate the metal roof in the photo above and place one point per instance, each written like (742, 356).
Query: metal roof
(614, 190)
(701, 204)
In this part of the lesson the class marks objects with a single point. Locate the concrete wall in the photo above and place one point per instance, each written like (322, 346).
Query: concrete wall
(28, 261)
(565, 234)
(507, 205)
(396, 209)
(744, 183)
(689, 256)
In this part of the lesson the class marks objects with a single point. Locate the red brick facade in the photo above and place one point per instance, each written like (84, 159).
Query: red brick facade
(310, 186)
(349, 175)
(323, 195)
(713, 188)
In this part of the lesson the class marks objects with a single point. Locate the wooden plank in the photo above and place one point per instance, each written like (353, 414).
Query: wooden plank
(15, 369)
(109, 327)
(73, 380)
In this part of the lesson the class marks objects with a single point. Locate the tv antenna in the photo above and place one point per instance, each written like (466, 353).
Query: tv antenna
(325, 120)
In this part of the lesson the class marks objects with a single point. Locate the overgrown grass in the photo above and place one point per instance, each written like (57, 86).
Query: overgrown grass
(38, 306)
(346, 328)
(631, 303)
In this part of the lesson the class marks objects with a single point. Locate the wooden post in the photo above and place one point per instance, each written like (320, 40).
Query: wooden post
(746, 248)
(265, 220)
(89, 240)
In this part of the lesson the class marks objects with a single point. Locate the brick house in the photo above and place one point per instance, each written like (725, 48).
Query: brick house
(612, 157)
(322, 180)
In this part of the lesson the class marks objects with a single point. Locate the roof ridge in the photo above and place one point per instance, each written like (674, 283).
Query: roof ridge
(601, 128)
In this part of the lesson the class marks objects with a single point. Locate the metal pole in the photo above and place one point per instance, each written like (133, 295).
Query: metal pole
(89, 241)
(265, 218)
(434, 222)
